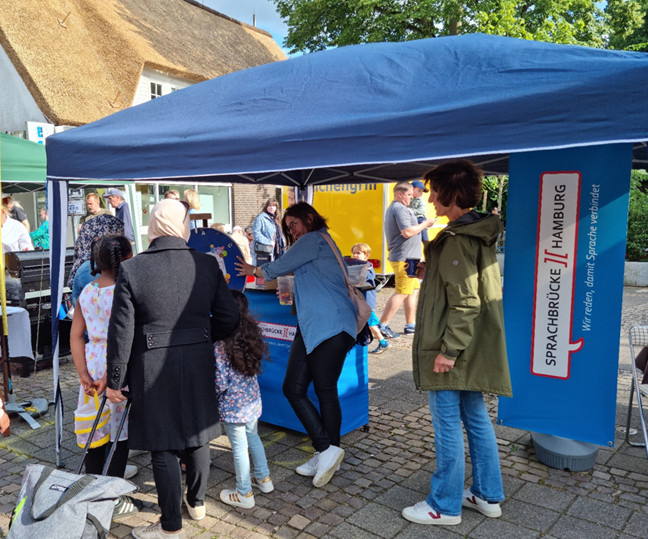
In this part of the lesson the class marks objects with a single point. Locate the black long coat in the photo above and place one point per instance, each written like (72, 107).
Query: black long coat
(160, 343)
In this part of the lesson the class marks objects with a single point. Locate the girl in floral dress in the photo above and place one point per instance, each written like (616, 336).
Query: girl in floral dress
(91, 315)
(238, 361)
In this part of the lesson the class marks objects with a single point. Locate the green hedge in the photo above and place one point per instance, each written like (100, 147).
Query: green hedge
(637, 242)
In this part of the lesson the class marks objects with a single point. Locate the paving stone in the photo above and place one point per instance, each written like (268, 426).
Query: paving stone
(378, 519)
(399, 497)
(569, 527)
(637, 525)
(317, 529)
(418, 531)
(500, 529)
(611, 516)
(347, 531)
(529, 516)
(299, 522)
(544, 497)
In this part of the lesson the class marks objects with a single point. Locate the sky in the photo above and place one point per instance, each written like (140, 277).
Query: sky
(267, 17)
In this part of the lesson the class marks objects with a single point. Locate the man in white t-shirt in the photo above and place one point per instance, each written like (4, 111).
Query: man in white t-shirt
(14, 235)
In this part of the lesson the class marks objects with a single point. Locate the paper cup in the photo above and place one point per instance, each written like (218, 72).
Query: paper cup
(285, 289)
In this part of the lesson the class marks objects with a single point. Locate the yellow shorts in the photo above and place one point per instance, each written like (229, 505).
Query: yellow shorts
(404, 284)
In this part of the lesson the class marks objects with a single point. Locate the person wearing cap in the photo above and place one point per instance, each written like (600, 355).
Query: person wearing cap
(403, 234)
(418, 205)
(122, 211)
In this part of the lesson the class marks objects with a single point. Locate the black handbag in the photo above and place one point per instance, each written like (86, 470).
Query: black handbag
(261, 248)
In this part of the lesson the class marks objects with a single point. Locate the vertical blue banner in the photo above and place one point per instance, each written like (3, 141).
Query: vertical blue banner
(563, 289)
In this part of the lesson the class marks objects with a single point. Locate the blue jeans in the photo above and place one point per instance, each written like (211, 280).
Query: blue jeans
(449, 409)
(424, 232)
(243, 436)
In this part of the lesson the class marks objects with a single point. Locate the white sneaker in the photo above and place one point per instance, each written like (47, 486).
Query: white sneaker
(233, 497)
(492, 510)
(264, 485)
(422, 513)
(155, 531)
(196, 513)
(131, 471)
(327, 464)
(309, 469)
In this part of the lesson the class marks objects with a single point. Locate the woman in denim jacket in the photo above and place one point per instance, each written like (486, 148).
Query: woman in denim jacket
(268, 241)
(326, 331)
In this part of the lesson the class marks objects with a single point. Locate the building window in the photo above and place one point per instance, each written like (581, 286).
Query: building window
(156, 90)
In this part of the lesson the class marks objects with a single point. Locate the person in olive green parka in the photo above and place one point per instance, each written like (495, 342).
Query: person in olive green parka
(460, 310)
(459, 349)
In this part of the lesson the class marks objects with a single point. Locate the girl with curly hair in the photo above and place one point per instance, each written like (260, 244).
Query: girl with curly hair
(238, 361)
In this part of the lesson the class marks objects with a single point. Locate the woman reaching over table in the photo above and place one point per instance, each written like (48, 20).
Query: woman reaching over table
(326, 331)
(459, 351)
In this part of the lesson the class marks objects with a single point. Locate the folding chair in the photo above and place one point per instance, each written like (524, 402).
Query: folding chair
(638, 336)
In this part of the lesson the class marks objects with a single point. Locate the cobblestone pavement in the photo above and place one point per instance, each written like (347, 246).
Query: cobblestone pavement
(387, 467)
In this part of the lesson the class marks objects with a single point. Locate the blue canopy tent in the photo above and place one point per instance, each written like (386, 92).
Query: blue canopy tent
(366, 113)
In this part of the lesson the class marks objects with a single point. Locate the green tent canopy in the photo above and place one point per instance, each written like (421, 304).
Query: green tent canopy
(21, 160)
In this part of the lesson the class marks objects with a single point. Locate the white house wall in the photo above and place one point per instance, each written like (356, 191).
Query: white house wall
(16, 103)
(169, 84)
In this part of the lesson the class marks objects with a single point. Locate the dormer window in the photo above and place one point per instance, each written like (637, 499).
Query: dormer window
(156, 90)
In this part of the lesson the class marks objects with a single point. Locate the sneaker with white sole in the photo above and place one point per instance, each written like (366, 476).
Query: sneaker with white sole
(387, 332)
(309, 469)
(380, 348)
(124, 507)
(327, 464)
(197, 512)
(155, 531)
(422, 513)
(491, 510)
(131, 471)
(235, 498)
(265, 485)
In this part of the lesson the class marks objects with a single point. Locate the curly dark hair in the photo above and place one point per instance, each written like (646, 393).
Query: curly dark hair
(245, 348)
(108, 252)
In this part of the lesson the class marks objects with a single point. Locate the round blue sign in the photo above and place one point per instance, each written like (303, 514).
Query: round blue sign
(224, 249)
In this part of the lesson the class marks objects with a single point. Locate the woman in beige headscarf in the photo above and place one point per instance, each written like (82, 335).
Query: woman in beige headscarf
(171, 302)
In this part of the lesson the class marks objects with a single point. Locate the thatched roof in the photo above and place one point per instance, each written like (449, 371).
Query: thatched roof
(82, 59)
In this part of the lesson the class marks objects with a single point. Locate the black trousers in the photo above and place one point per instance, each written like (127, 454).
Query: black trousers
(323, 367)
(168, 482)
(96, 458)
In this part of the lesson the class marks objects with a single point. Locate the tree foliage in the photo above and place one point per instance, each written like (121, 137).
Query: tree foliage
(637, 241)
(628, 24)
(317, 24)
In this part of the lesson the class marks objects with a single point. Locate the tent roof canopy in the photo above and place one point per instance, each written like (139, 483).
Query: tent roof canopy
(21, 160)
(366, 113)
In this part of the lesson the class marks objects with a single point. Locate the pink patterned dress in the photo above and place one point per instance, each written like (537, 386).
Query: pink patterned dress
(96, 304)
